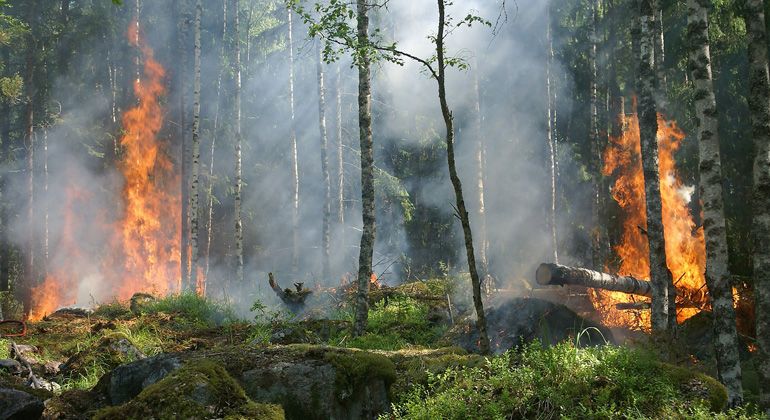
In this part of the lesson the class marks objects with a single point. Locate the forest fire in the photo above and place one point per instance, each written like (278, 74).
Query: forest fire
(685, 246)
(142, 253)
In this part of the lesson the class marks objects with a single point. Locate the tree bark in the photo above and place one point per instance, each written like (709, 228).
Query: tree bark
(759, 105)
(29, 137)
(658, 41)
(593, 135)
(210, 201)
(366, 249)
(483, 254)
(295, 168)
(710, 172)
(196, 154)
(648, 128)
(340, 173)
(463, 214)
(560, 275)
(182, 85)
(550, 136)
(326, 212)
(238, 147)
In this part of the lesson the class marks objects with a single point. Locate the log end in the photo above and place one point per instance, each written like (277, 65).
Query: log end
(544, 274)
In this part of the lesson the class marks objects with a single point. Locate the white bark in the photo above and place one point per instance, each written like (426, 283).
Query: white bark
(238, 147)
(196, 153)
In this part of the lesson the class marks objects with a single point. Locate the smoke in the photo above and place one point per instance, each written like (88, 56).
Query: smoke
(509, 63)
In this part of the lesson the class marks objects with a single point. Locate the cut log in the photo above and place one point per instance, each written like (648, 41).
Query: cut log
(555, 274)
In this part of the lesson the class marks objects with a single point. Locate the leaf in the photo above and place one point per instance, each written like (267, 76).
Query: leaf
(118, 2)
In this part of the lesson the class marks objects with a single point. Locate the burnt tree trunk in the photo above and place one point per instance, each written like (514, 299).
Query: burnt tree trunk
(561, 275)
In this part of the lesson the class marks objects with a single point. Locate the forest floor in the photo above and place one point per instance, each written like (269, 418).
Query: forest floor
(74, 351)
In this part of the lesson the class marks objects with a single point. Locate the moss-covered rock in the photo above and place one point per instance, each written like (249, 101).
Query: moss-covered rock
(413, 366)
(108, 353)
(696, 387)
(202, 389)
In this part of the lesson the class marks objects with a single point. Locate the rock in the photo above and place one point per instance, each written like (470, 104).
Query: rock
(521, 320)
(201, 389)
(696, 334)
(52, 368)
(309, 382)
(140, 301)
(72, 311)
(11, 366)
(112, 350)
(127, 381)
(19, 405)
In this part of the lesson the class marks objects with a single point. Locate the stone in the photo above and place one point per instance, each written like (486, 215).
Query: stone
(11, 366)
(127, 381)
(19, 405)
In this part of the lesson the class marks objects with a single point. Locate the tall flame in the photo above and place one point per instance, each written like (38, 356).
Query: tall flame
(143, 252)
(685, 246)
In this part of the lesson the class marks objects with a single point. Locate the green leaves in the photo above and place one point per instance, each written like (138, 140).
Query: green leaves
(118, 2)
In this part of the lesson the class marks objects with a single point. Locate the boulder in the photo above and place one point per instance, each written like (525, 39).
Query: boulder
(521, 320)
(111, 351)
(19, 405)
(201, 389)
(309, 382)
(11, 366)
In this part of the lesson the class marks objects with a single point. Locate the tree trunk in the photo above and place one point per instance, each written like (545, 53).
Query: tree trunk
(648, 128)
(181, 80)
(326, 212)
(484, 275)
(759, 104)
(196, 154)
(340, 173)
(366, 249)
(463, 214)
(560, 275)
(210, 201)
(550, 135)
(593, 136)
(294, 165)
(29, 137)
(660, 67)
(710, 171)
(238, 147)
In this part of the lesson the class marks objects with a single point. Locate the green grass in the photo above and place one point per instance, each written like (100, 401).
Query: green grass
(567, 382)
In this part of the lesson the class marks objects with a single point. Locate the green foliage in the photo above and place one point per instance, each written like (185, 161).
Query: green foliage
(195, 310)
(567, 382)
(396, 323)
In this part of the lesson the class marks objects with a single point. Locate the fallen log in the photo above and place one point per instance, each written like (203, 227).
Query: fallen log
(561, 275)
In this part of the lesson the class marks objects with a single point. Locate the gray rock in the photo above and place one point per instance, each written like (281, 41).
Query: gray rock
(11, 366)
(127, 381)
(18, 405)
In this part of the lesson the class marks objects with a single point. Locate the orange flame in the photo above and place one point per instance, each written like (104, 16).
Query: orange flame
(143, 254)
(685, 246)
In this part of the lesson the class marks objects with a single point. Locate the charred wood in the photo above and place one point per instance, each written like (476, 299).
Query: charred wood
(555, 274)
(294, 299)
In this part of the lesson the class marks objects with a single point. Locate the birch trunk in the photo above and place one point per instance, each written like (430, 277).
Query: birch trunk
(759, 104)
(484, 275)
(463, 213)
(181, 80)
(710, 172)
(658, 41)
(196, 154)
(340, 173)
(210, 201)
(294, 167)
(326, 212)
(593, 137)
(366, 249)
(648, 128)
(551, 139)
(238, 147)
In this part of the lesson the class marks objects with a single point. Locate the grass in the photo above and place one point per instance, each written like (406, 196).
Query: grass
(563, 381)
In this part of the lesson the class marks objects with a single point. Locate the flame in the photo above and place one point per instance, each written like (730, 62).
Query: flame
(685, 245)
(143, 252)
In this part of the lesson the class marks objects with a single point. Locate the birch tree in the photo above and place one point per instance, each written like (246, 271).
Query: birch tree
(196, 152)
(710, 172)
(238, 147)
(648, 129)
(326, 211)
(294, 167)
(759, 105)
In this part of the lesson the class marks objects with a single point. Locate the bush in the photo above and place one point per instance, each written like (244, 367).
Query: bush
(566, 382)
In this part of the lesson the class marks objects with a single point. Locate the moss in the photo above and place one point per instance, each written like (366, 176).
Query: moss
(355, 369)
(108, 353)
(415, 366)
(201, 389)
(696, 386)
